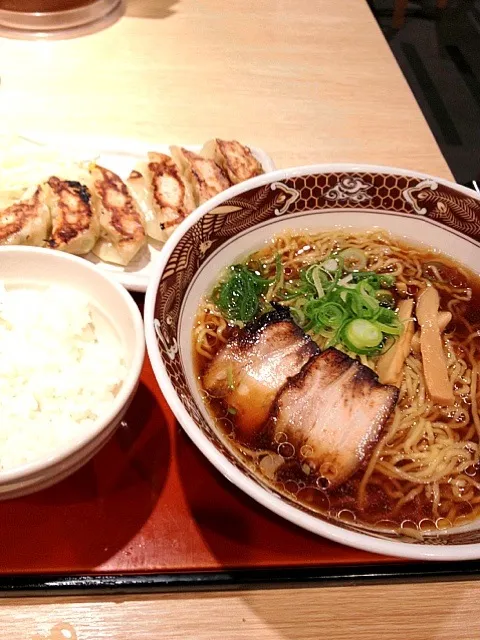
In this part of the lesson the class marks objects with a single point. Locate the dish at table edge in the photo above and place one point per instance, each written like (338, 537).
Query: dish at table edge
(231, 227)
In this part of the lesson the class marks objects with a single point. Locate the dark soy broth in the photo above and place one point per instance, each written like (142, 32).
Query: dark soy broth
(381, 508)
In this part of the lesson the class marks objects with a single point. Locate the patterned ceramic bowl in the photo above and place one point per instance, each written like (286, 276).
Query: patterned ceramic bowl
(416, 207)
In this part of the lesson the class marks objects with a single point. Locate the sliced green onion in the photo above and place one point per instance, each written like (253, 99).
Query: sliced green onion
(337, 301)
(353, 259)
(376, 280)
(385, 298)
(366, 289)
(298, 316)
(232, 411)
(279, 273)
(324, 315)
(362, 335)
(388, 316)
(324, 276)
(318, 283)
(331, 265)
(363, 306)
(331, 314)
(389, 330)
(345, 282)
(370, 276)
(386, 280)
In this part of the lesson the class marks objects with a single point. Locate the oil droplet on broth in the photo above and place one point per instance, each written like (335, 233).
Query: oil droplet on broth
(443, 523)
(427, 524)
(286, 450)
(346, 515)
(316, 498)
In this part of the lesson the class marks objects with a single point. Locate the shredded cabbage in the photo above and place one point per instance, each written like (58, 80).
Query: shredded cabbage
(25, 163)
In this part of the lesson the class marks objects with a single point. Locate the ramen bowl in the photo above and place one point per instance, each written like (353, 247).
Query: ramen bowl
(421, 210)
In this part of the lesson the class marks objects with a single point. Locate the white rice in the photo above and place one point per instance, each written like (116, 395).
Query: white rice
(60, 368)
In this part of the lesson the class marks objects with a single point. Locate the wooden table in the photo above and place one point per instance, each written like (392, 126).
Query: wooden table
(397, 612)
(309, 82)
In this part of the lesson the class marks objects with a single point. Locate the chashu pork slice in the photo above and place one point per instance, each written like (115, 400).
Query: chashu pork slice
(122, 232)
(249, 371)
(75, 227)
(332, 412)
(24, 221)
(204, 176)
(162, 193)
(237, 161)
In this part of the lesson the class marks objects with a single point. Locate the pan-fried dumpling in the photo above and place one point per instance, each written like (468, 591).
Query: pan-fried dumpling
(235, 159)
(24, 221)
(75, 226)
(122, 232)
(165, 197)
(205, 176)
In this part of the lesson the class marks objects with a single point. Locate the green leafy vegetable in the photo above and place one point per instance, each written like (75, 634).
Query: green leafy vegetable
(238, 297)
(335, 299)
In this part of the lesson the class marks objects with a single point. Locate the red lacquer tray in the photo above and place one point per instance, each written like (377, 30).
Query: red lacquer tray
(149, 504)
(149, 501)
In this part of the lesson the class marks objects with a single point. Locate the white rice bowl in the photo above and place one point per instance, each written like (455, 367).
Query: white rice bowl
(71, 353)
(60, 369)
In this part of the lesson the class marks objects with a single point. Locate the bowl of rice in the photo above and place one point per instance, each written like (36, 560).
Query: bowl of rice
(71, 353)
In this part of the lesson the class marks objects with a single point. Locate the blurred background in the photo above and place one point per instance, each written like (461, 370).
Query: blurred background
(438, 50)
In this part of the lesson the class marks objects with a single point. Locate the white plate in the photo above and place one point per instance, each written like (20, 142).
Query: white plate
(121, 155)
